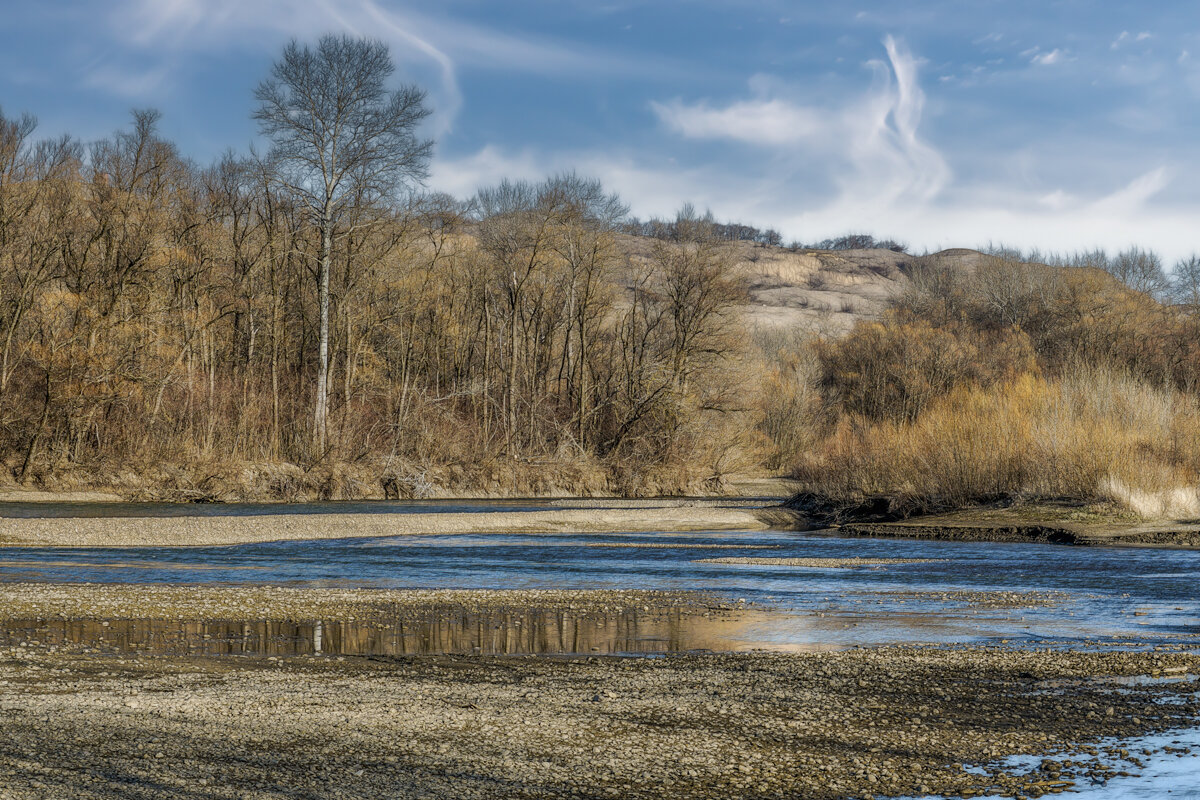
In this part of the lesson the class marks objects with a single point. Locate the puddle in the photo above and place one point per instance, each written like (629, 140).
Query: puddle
(1168, 765)
(494, 633)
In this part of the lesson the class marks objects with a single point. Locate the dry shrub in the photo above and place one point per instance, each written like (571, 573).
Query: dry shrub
(790, 413)
(1094, 434)
(892, 370)
(1071, 315)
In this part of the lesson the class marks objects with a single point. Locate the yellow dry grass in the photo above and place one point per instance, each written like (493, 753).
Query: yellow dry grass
(1093, 434)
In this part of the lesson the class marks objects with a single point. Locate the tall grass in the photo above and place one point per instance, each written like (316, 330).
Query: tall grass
(1091, 433)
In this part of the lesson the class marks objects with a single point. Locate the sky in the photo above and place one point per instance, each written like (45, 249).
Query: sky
(1051, 124)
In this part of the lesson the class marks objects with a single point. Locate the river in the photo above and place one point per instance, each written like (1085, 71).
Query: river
(898, 591)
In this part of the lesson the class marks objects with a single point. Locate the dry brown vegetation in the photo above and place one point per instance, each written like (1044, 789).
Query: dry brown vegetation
(159, 332)
(1011, 380)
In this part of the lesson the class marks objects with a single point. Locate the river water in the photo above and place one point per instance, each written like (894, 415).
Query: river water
(957, 592)
(943, 592)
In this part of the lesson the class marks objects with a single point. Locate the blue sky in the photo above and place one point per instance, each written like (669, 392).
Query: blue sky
(1057, 124)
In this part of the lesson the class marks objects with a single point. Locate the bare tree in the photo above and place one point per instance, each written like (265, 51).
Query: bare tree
(1140, 270)
(1185, 282)
(340, 138)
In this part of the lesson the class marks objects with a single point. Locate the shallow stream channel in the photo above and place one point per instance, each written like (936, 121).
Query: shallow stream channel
(771, 590)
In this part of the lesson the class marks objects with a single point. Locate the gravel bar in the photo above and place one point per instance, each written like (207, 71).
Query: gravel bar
(885, 722)
(211, 530)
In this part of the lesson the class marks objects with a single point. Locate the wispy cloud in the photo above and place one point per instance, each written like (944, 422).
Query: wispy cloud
(418, 39)
(871, 143)
(1055, 56)
(886, 177)
(1127, 38)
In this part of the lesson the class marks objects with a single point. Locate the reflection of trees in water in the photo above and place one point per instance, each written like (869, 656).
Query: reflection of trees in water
(512, 632)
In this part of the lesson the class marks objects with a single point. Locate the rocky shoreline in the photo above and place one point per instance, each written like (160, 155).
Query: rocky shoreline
(886, 722)
(85, 722)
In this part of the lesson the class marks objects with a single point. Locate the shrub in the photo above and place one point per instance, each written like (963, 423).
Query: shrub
(892, 369)
(1093, 434)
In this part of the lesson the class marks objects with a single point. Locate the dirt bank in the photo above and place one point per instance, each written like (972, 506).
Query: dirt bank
(287, 483)
(961, 528)
(226, 530)
(1063, 522)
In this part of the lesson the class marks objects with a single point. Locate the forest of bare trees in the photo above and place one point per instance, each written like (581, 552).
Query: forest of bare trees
(308, 315)
(161, 325)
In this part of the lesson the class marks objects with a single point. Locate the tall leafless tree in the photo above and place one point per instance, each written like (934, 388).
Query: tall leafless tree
(340, 138)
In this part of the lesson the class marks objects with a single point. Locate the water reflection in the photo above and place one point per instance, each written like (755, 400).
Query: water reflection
(496, 633)
(960, 592)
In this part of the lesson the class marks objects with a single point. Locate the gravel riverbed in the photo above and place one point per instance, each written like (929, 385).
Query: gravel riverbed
(864, 722)
(221, 530)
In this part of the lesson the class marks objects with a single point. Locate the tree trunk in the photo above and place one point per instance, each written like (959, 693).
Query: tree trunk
(320, 407)
(37, 434)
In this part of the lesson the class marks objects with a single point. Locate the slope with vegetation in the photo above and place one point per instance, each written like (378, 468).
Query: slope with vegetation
(1005, 381)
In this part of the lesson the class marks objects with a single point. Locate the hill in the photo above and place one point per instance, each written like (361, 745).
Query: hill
(823, 292)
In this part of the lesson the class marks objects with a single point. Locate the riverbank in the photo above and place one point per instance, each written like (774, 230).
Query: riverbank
(886, 722)
(287, 483)
(190, 526)
(963, 528)
(601, 517)
(1063, 522)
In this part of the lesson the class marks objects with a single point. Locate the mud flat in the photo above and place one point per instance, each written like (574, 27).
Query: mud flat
(227, 530)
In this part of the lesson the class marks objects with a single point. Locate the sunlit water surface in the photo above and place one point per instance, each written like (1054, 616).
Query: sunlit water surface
(1082, 594)
(1068, 596)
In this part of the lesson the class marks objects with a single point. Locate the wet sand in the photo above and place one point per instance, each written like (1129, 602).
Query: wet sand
(210, 530)
(90, 723)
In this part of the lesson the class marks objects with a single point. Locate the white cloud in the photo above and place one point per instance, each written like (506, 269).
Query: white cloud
(771, 122)
(1133, 196)
(1055, 56)
(1056, 200)
(1125, 37)
(886, 178)
(967, 216)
